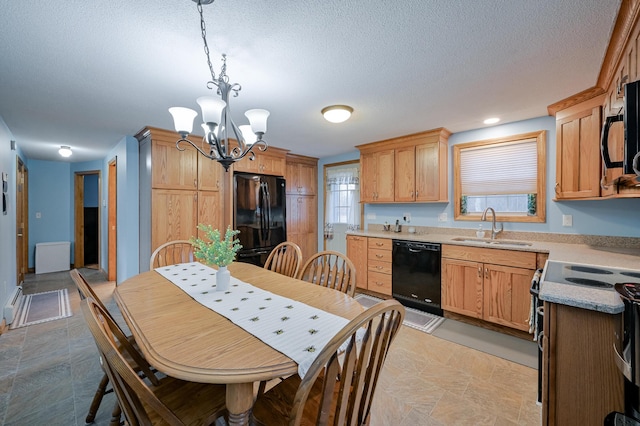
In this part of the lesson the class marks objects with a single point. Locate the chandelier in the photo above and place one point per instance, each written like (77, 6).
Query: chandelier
(219, 128)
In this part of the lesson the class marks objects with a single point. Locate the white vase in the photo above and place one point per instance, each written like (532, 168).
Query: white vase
(223, 277)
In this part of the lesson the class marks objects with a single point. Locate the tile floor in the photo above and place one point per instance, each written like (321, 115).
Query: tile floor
(49, 373)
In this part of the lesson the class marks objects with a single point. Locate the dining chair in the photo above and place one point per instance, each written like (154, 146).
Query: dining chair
(170, 253)
(171, 401)
(137, 362)
(339, 386)
(285, 259)
(330, 269)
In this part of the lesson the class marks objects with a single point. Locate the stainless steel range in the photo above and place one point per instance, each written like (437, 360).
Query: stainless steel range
(597, 277)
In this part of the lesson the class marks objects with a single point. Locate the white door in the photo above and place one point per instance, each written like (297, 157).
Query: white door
(342, 204)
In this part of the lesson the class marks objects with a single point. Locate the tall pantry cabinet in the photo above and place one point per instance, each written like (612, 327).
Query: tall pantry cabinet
(178, 190)
(302, 203)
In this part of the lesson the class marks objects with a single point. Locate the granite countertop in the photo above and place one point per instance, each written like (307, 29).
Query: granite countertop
(616, 252)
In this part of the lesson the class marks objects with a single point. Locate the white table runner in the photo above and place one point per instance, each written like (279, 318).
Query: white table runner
(297, 330)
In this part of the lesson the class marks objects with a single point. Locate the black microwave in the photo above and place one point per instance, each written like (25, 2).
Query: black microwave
(630, 114)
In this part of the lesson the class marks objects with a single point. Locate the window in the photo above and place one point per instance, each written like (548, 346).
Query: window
(507, 174)
(343, 196)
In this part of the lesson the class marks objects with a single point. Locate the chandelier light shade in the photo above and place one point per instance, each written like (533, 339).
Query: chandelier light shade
(224, 141)
(65, 151)
(337, 113)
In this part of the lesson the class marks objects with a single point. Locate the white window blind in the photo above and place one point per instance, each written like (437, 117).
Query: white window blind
(499, 169)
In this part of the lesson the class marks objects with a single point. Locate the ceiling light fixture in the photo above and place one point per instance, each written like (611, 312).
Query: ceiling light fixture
(65, 151)
(218, 125)
(337, 113)
(492, 120)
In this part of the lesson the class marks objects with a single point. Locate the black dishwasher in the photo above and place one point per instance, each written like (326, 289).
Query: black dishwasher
(415, 275)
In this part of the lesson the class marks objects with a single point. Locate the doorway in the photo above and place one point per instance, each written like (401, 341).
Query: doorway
(87, 219)
(22, 221)
(342, 210)
(111, 237)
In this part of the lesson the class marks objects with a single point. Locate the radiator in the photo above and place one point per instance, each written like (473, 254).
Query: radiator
(11, 307)
(53, 257)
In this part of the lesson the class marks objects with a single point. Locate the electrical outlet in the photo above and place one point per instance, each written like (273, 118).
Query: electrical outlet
(567, 220)
(442, 217)
(371, 216)
(407, 217)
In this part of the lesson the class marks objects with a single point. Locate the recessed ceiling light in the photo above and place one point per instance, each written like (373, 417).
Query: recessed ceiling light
(337, 113)
(492, 120)
(65, 151)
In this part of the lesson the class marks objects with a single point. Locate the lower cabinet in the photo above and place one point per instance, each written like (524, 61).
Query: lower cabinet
(581, 383)
(379, 265)
(357, 253)
(488, 284)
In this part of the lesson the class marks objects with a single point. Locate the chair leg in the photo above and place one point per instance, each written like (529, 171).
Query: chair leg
(97, 399)
(115, 415)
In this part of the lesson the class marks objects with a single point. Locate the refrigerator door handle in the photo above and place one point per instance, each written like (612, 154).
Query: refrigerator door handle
(268, 210)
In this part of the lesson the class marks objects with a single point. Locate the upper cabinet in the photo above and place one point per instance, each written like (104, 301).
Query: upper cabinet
(302, 175)
(376, 176)
(410, 168)
(578, 150)
(579, 118)
(269, 162)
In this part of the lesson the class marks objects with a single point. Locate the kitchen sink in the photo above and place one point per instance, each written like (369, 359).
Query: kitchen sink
(491, 242)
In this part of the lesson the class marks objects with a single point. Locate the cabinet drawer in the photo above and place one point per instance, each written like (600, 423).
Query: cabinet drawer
(379, 282)
(518, 259)
(380, 243)
(378, 266)
(380, 255)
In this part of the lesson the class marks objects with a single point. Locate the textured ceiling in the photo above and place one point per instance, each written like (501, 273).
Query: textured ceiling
(87, 73)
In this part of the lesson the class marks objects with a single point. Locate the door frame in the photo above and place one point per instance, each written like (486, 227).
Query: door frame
(78, 207)
(22, 220)
(324, 195)
(112, 219)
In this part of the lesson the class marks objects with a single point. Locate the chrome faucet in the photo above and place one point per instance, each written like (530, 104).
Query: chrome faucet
(494, 231)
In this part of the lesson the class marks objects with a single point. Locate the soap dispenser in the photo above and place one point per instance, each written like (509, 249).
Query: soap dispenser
(480, 232)
(397, 226)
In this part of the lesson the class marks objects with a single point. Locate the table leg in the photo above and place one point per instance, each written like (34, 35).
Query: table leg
(239, 399)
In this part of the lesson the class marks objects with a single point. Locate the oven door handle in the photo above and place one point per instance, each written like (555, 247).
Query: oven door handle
(535, 283)
(623, 365)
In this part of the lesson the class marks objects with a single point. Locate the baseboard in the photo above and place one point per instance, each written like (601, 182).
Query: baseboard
(488, 325)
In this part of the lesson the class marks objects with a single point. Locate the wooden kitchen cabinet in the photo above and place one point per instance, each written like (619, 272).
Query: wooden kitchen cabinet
(578, 158)
(302, 175)
(357, 247)
(301, 180)
(269, 162)
(302, 223)
(379, 265)
(178, 191)
(376, 183)
(581, 383)
(488, 284)
(410, 168)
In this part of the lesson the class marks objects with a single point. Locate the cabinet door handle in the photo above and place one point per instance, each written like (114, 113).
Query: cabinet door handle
(557, 187)
(540, 336)
(195, 183)
(486, 272)
(479, 271)
(378, 267)
(379, 244)
(379, 256)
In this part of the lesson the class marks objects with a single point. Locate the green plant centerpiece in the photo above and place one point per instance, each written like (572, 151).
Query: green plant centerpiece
(215, 250)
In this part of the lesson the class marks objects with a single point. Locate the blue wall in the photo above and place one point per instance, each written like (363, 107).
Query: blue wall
(616, 217)
(50, 197)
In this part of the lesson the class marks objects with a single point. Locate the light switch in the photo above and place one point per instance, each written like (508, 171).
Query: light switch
(567, 220)
(38, 215)
(442, 217)
(371, 216)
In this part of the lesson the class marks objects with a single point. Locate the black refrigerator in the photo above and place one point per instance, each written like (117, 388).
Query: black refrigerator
(259, 215)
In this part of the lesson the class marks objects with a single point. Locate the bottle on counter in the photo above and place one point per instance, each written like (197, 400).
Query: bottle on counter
(480, 232)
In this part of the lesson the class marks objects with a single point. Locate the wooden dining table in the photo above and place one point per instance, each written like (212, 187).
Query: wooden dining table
(184, 339)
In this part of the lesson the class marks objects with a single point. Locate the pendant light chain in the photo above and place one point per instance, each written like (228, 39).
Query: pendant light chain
(203, 28)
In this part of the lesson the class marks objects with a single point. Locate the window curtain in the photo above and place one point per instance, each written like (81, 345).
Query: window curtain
(343, 197)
